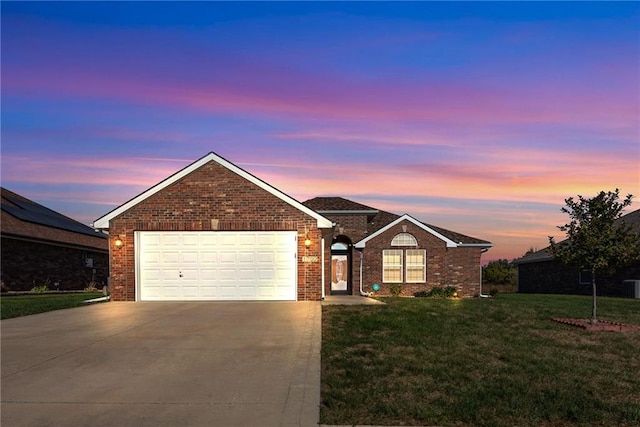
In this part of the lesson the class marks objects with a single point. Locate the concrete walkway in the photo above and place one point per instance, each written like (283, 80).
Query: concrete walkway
(349, 300)
(164, 364)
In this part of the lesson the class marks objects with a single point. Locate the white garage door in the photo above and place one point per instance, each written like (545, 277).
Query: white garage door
(216, 265)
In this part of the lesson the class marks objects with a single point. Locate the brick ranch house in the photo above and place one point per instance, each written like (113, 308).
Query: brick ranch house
(41, 246)
(539, 272)
(213, 231)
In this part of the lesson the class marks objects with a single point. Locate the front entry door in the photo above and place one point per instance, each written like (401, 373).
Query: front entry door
(340, 273)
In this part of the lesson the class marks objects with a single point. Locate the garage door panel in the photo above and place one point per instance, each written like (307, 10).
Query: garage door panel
(152, 258)
(172, 257)
(190, 291)
(190, 239)
(227, 257)
(208, 257)
(227, 240)
(265, 275)
(246, 240)
(169, 239)
(246, 274)
(209, 292)
(246, 257)
(208, 244)
(216, 265)
(266, 239)
(281, 257)
(190, 257)
(265, 257)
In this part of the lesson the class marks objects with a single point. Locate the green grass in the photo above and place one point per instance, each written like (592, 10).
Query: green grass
(480, 362)
(24, 305)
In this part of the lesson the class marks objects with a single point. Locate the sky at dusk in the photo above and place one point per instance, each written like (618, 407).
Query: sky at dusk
(476, 117)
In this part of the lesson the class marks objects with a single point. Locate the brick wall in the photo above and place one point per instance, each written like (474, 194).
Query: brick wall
(28, 263)
(552, 277)
(353, 226)
(208, 199)
(458, 267)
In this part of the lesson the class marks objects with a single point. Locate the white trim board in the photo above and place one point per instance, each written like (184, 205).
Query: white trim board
(450, 243)
(103, 222)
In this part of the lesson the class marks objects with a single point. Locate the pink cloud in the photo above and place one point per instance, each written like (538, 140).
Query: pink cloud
(121, 171)
(247, 86)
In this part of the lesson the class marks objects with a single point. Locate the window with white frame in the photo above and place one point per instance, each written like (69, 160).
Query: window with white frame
(404, 239)
(416, 266)
(392, 265)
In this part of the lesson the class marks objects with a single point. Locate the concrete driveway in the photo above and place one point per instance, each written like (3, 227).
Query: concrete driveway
(164, 364)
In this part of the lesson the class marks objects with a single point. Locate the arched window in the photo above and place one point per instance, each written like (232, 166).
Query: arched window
(404, 239)
(339, 246)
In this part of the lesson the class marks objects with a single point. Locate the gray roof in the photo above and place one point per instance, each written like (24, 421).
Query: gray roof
(31, 212)
(632, 219)
(378, 218)
(337, 204)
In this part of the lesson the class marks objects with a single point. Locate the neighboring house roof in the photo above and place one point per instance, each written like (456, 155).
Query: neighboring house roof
(632, 219)
(26, 219)
(103, 222)
(381, 220)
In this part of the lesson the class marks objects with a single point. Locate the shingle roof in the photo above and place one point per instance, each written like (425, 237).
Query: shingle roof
(381, 218)
(25, 218)
(332, 204)
(632, 219)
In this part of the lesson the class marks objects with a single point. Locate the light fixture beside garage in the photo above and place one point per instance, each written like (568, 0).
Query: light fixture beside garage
(118, 242)
(307, 242)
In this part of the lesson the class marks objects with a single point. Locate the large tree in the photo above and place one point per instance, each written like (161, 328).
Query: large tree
(597, 240)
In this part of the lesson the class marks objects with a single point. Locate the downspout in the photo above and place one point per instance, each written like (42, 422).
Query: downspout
(483, 250)
(362, 292)
(323, 267)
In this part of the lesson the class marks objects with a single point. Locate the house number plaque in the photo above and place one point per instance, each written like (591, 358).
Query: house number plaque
(309, 259)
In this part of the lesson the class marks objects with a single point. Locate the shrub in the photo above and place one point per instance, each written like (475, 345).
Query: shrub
(450, 292)
(38, 289)
(436, 292)
(92, 287)
(493, 292)
(3, 288)
(395, 290)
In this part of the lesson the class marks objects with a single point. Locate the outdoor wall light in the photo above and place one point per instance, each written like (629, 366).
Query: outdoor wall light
(118, 242)
(307, 242)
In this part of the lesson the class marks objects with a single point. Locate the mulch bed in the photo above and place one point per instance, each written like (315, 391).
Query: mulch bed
(602, 325)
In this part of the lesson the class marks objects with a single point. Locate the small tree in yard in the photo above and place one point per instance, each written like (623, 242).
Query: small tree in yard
(596, 240)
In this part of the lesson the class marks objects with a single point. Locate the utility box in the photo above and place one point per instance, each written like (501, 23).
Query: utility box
(631, 288)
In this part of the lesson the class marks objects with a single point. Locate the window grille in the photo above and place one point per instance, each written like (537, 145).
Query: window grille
(404, 239)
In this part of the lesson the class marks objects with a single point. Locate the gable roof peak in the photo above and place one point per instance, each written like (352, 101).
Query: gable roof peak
(103, 222)
(451, 239)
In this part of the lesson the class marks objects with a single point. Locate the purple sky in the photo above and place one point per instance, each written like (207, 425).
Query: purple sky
(477, 117)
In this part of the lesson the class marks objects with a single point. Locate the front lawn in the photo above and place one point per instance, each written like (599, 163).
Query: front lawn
(24, 305)
(480, 362)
